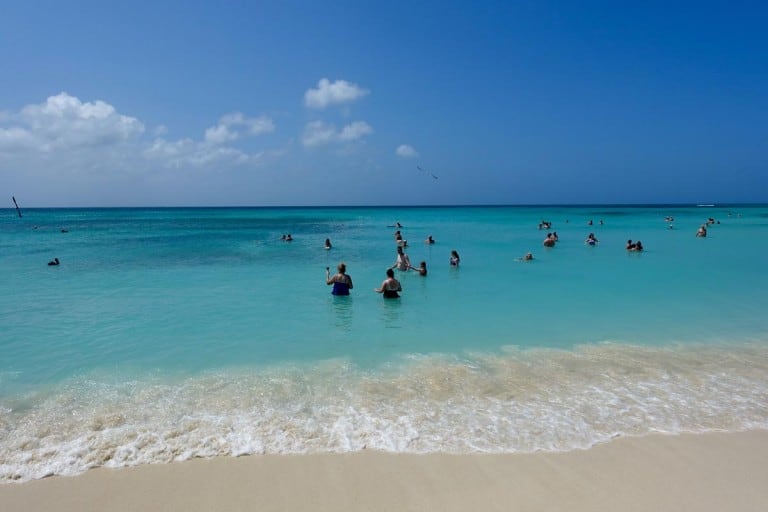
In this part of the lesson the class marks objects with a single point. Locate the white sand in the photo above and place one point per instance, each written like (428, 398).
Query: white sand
(712, 472)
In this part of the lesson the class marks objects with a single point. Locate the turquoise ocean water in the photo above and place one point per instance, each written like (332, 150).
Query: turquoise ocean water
(167, 334)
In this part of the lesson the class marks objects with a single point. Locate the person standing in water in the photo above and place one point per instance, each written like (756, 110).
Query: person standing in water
(455, 260)
(422, 268)
(341, 282)
(403, 262)
(390, 286)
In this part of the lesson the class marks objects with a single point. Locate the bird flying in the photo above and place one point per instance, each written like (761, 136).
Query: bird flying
(426, 172)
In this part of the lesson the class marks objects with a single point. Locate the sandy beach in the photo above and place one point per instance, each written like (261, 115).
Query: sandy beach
(690, 472)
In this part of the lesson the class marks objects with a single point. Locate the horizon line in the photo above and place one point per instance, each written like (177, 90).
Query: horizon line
(484, 205)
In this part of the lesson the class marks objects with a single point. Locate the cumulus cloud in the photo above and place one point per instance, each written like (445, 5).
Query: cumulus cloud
(406, 151)
(253, 125)
(64, 122)
(355, 131)
(232, 126)
(187, 152)
(329, 93)
(220, 134)
(66, 132)
(318, 133)
(16, 139)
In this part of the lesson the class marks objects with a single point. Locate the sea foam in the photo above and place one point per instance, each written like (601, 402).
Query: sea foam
(513, 401)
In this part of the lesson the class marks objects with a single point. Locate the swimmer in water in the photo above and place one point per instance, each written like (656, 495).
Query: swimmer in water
(455, 259)
(403, 262)
(422, 269)
(429, 240)
(328, 243)
(341, 282)
(390, 286)
(53, 262)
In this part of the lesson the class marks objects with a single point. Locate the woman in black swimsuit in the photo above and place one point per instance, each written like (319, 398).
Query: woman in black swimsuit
(390, 286)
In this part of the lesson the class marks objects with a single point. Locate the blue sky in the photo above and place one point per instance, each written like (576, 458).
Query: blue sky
(306, 103)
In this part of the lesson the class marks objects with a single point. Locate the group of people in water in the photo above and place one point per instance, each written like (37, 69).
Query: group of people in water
(552, 238)
(702, 231)
(342, 282)
(390, 288)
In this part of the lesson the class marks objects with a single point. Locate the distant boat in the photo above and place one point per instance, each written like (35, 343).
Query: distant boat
(705, 205)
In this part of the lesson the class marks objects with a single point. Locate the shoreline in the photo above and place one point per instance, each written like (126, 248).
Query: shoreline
(713, 471)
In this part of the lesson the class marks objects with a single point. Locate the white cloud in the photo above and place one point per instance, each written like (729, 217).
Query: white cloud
(66, 133)
(227, 129)
(355, 131)
(254, 125)
(328, 93)
(220, 134)
(317, 133)
(65, 122)
(187, 152)
(406, 151)
(16, 139)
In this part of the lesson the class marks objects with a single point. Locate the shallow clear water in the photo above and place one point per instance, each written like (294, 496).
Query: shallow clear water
(172, 333)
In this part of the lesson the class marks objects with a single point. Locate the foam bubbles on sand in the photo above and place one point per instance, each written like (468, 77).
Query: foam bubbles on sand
(516, 401)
